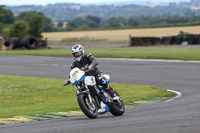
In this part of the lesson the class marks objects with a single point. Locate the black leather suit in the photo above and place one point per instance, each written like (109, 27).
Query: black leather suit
(87, 60)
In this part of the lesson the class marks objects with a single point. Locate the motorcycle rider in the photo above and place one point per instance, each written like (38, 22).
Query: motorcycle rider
(87, 61)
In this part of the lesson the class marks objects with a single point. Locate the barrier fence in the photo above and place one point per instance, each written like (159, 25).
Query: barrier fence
(185, 39)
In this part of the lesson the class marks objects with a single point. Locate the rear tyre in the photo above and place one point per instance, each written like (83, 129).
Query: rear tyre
(10, 42)
(117, 107)
(89, 110)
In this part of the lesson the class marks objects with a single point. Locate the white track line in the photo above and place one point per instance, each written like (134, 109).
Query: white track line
(151, 60)
(178, 95)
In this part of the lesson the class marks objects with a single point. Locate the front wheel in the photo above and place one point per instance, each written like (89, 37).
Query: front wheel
(117, 107)
(90, 110)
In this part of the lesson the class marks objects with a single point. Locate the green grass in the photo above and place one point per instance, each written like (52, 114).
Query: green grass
(28, 95)
(180, 54)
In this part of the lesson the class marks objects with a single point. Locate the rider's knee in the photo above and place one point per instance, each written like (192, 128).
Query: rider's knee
(103, 82)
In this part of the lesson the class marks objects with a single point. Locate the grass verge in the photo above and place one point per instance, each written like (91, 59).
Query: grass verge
(179, 54)
(27, 95)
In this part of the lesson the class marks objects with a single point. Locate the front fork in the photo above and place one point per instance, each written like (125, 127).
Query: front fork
(86, 92)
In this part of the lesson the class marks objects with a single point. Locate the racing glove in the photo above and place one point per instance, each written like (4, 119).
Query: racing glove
(67, 82)
(90, 67)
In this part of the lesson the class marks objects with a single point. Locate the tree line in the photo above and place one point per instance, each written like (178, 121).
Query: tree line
(26, 23)
(94, 22)
(34, 23)
(70, 11)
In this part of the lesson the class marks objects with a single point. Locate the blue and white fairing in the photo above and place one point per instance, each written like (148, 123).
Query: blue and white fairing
(104, 108)
(76, 76)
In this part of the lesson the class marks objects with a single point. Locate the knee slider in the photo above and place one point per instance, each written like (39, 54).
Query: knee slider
(103, 80)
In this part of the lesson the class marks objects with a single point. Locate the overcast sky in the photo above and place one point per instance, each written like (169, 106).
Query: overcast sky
(45, 2)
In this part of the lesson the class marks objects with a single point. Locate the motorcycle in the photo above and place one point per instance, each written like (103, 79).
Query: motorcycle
(93, 99)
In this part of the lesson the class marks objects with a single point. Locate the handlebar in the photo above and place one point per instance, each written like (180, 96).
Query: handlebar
(86, 69)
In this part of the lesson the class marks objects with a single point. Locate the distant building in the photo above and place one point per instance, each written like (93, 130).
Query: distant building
(154, 5)
(55, 23)
(195, 4)
(195, 0)
(63, 24)
(172, 4)
(76, 7)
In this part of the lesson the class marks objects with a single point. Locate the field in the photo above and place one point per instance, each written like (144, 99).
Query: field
(121, 35)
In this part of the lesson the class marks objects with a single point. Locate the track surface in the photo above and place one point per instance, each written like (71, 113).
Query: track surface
(181, 115)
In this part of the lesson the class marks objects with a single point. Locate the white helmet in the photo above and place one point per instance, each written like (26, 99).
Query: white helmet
(78, 52)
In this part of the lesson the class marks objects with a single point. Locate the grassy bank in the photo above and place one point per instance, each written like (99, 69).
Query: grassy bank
(28, 95)
(180, 54)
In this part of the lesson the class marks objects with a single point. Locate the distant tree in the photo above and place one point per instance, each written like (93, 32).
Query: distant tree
(71, 11)
(93, 25)
(47, 22)
(104, 23)
(81, 23)
(8, 17)
(84, 27)
(2, 10)
(19, 29)
(71, 25)
(36, 25)
(47, 25)
(1, 27)
(95, 19)
(60, 24)
(26, 16)
(114, 22)
(189, 13)
(133, 22)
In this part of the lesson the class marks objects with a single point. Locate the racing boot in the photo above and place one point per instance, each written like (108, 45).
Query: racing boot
(112, 92)
(107, 87)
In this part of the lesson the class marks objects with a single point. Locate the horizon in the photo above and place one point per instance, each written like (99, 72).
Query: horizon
(83, 2)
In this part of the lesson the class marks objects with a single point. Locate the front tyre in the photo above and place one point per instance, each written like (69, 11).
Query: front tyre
(88, 109)
(117, 107)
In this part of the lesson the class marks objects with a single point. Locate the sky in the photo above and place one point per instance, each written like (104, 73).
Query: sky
(45, 2)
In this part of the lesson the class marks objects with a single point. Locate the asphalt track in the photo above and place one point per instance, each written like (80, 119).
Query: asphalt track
(181, 115)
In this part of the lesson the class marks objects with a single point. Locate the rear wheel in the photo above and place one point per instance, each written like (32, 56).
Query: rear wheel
(90, 110)
(117, 107)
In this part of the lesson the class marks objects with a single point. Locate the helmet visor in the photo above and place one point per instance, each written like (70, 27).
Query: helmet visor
(77, 54)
